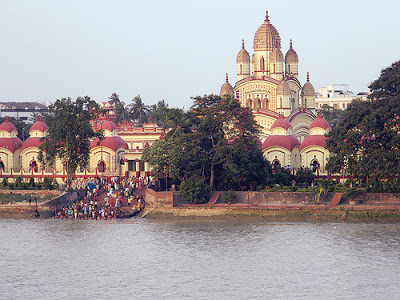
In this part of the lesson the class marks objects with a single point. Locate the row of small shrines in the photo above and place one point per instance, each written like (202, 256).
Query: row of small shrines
(115, 156)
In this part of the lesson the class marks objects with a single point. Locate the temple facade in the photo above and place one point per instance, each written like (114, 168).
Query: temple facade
(268, 84)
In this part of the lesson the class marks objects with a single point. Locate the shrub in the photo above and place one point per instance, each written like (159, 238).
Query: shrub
(304, 177)
(194, 190)
(5, 182)
(32, 182)
(18, 182)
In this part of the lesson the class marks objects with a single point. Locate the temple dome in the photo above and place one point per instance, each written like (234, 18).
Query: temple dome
(308, 88)
(291, 55)
(320, 122)
(281, 122)
(283, 88)
(7, 125)
(313, 140)
(288, 142)
(267, 36)
(108, 125)
(243, 56)
(39, 125)
(227, 89)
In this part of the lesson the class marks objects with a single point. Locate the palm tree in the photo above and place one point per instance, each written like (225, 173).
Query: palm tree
(138, 110)
(178, 121)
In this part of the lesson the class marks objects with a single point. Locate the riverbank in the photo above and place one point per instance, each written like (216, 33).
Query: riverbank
(280, 214)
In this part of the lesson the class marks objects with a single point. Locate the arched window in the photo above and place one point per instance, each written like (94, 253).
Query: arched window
(288, 69)
(274, 68)
(262, 64)
(101, 166)
(281, 102)
(257, 103)
(266, 103)
(1, 166)
(249, 103)
(241, 69)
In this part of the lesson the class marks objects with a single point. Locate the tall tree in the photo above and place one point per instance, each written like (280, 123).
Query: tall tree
(214, 141)
(139, 111)
(158, 114)
(367, 143)
(69, 133)
(122, 113)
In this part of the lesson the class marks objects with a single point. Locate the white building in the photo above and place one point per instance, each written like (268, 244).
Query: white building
(337, 96)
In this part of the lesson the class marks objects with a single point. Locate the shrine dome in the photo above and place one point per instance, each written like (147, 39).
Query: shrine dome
(7, 125)
(39, 125)
(288, 142)
(267, 37)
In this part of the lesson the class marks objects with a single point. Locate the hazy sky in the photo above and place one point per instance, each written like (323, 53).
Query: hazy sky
(174, 50)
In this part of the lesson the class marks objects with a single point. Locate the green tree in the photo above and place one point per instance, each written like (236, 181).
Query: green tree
(69, 133)
(214, 141)
(139, 111)
(367, 142)
(158, 112)
(122, 114)
(332, 115)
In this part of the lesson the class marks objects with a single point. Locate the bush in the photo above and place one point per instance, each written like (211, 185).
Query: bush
(32, 183)
(304, 177)
(18, 182)
(5, 182)
(11, 185)
(194, 190)
(352, 193)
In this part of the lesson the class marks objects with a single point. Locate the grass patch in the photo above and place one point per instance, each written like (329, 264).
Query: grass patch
(14, 197)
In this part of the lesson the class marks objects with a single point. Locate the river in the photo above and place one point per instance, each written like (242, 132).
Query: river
(144, 259)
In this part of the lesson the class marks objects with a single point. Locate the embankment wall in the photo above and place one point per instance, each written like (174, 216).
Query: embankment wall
(65, 199)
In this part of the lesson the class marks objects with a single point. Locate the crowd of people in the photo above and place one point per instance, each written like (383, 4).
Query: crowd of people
(107, 198)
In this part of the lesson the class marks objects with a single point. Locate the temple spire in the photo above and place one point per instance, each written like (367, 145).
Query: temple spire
(227, 77)
(266, 17)
(308, 77)
(243, 44)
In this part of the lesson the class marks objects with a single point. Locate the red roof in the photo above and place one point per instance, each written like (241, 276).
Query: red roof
(33, 141)
(320, 122)
(281, 123)
(111, 142)
(108, 125)
(285, 141)
(10, 143)
(7, 125)
(313, 140)
(39, 125)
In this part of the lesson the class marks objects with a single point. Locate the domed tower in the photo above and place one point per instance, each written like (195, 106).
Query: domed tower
(243, 63)
(276, 63)
(314, 154)
(283, 98)
(30, 148)
(291, 62)
(227, 89)
(281, 148)
(265, 40)
(308, 95)
(10, 146)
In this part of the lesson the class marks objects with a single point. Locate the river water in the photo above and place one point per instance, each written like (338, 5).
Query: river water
(144, 259)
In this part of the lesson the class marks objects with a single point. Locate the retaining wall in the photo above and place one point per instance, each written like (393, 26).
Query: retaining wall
(66, 199)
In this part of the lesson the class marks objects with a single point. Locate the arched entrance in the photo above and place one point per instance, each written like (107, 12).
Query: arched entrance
(33, 166)
(276, 164)
(257, 103)
(2, 167)
(101, 166)
(314, 166)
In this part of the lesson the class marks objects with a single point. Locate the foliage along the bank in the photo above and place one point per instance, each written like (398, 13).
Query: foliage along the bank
(367, 142)
(211, 146)
(69, 134)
